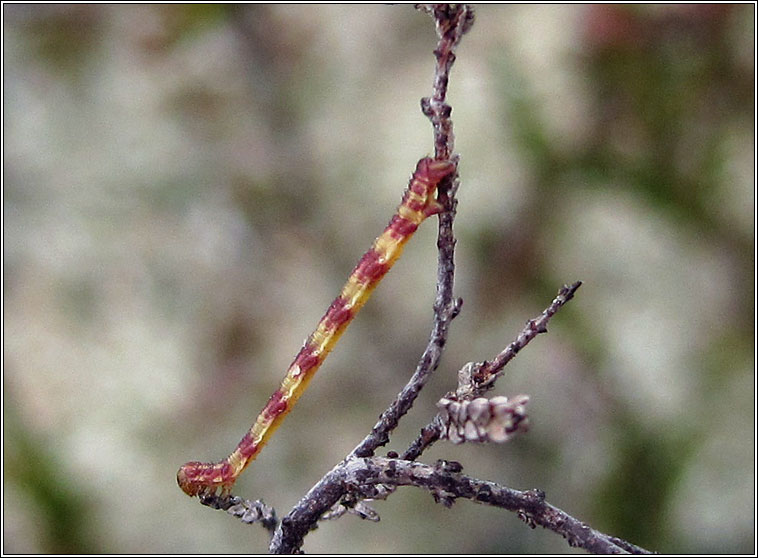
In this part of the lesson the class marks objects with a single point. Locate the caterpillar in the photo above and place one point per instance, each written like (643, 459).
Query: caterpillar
(418, 202)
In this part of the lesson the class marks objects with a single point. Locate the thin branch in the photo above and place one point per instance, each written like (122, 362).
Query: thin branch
(428, 436)
(304, 516)
(246, 510)
(332, 487)
(452, 22)
(482, 375)
(446, 483)
(489, 371)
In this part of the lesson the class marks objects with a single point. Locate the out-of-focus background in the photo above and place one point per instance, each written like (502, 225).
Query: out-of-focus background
(186, 187)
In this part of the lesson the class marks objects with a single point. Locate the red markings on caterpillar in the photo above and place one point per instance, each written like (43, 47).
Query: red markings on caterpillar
(307, 359)
(247, 446)
(417, 204)
(371, 268)
(277, 404)
(338, 315)
(195, 477)
(400, 227)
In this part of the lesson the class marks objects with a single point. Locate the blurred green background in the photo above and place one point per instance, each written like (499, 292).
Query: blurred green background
(187, 187)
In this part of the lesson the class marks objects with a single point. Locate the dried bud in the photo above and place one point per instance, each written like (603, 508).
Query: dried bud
(483, 420)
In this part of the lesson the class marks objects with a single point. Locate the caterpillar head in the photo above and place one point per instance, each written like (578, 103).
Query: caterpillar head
(432, 171)
(196, 478)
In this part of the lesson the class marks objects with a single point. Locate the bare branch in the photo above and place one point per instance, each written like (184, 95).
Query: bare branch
(452, 21)
(248, 511)
(334, 486)
(289, 536)
(446, 483)
(489, 371)
(476, 378)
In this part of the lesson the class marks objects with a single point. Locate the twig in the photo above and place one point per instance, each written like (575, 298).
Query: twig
(446, 483)
(248, 511)
(452, 21)
(489, 371)
(483, 375)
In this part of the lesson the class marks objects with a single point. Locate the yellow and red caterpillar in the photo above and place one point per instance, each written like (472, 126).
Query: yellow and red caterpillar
(418, 203)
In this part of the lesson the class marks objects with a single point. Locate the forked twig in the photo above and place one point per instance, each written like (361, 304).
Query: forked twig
(245, 510)
(481, 376)
(361, 476)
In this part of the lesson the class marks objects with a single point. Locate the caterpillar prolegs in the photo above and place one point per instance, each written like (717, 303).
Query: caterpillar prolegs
(418, 203)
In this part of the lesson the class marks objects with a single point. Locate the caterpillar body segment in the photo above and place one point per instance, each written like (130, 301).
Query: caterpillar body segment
(418, 203)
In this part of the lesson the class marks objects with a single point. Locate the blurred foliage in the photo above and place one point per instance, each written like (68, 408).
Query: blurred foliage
(666, 79)
(186, 186)
(60, 507)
